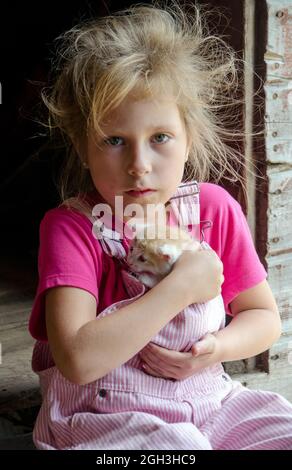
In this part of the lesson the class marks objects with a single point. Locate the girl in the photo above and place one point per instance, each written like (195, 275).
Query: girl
(137, 97)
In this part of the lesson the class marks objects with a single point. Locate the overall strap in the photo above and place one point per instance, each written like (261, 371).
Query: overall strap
(184, 211)
(184, 208)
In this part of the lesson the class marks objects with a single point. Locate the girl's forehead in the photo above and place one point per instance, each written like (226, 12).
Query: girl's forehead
(156, 111)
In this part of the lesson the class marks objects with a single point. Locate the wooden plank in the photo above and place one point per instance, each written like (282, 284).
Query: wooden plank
(278, 148)
(279, 254)
(280, 211)
(249, 55)
(17, 313)
(19, 387)
(19, 384)
(279, 379)
(278, 86)
(280, 279)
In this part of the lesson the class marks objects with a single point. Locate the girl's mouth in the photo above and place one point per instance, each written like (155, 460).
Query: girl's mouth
(140, 193)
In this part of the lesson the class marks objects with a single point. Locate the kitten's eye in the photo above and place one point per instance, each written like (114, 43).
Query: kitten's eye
(142, 258)
(131, 249)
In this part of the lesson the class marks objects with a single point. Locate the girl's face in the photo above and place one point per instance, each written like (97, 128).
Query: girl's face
(146, 148)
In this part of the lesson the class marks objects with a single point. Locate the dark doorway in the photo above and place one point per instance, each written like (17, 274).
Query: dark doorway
(27, 175)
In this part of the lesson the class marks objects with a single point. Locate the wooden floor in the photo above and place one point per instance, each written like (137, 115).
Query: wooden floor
(18, 281)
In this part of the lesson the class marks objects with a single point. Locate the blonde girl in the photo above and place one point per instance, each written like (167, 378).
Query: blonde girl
(140, 99)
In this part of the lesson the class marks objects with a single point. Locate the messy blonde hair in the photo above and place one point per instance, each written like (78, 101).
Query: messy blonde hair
(147, 49)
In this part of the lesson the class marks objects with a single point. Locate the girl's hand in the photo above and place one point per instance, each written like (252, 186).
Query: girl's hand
(168, 364)
(199, 275)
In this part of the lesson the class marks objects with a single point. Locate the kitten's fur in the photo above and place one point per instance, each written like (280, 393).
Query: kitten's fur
(151, 259)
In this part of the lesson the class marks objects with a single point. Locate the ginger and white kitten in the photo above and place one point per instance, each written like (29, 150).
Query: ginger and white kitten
(151, 259)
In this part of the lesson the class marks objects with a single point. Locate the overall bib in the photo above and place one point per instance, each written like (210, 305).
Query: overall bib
(129, 409)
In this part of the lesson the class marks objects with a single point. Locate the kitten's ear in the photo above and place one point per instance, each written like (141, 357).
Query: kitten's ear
(164, 254)
(165, 257)
(169, 253)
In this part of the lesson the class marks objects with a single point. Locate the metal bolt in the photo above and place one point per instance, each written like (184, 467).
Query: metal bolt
(275, 357)
(275, 133)
(277, 65)
(279, 14)
(275, 96)
(276, 148)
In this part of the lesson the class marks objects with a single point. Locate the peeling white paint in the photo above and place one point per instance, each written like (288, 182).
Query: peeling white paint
(278, 142)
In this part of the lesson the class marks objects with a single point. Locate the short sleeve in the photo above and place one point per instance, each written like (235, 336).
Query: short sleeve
(231, 238)
(67, 257)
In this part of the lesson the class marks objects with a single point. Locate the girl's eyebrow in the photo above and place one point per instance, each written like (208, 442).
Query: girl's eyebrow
(155, 128)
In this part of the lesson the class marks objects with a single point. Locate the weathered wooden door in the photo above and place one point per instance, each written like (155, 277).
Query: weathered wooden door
(271, 214)
(267, 50)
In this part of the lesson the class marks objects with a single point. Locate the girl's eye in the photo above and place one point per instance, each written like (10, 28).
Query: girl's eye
(161, 138)
(114, 141)
(141, 258)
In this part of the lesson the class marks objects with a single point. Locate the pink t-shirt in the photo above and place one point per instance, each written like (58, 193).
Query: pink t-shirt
(69, 255)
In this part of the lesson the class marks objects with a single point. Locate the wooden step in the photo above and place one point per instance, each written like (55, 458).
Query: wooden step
(19, 386)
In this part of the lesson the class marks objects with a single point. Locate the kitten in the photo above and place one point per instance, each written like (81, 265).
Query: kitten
(151, 257)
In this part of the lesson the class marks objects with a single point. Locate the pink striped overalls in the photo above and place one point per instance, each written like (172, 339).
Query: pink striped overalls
(129, 409)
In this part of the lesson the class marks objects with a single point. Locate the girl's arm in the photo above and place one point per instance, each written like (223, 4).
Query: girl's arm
(86, 348)
(254, 328)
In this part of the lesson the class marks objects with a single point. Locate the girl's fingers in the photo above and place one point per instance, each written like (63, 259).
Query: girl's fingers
(155, 358)
(151, 371)
(204, 346)
(166, 356)
(160, 369)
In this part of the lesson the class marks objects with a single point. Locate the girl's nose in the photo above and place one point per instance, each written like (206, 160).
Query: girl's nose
(139, 162)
